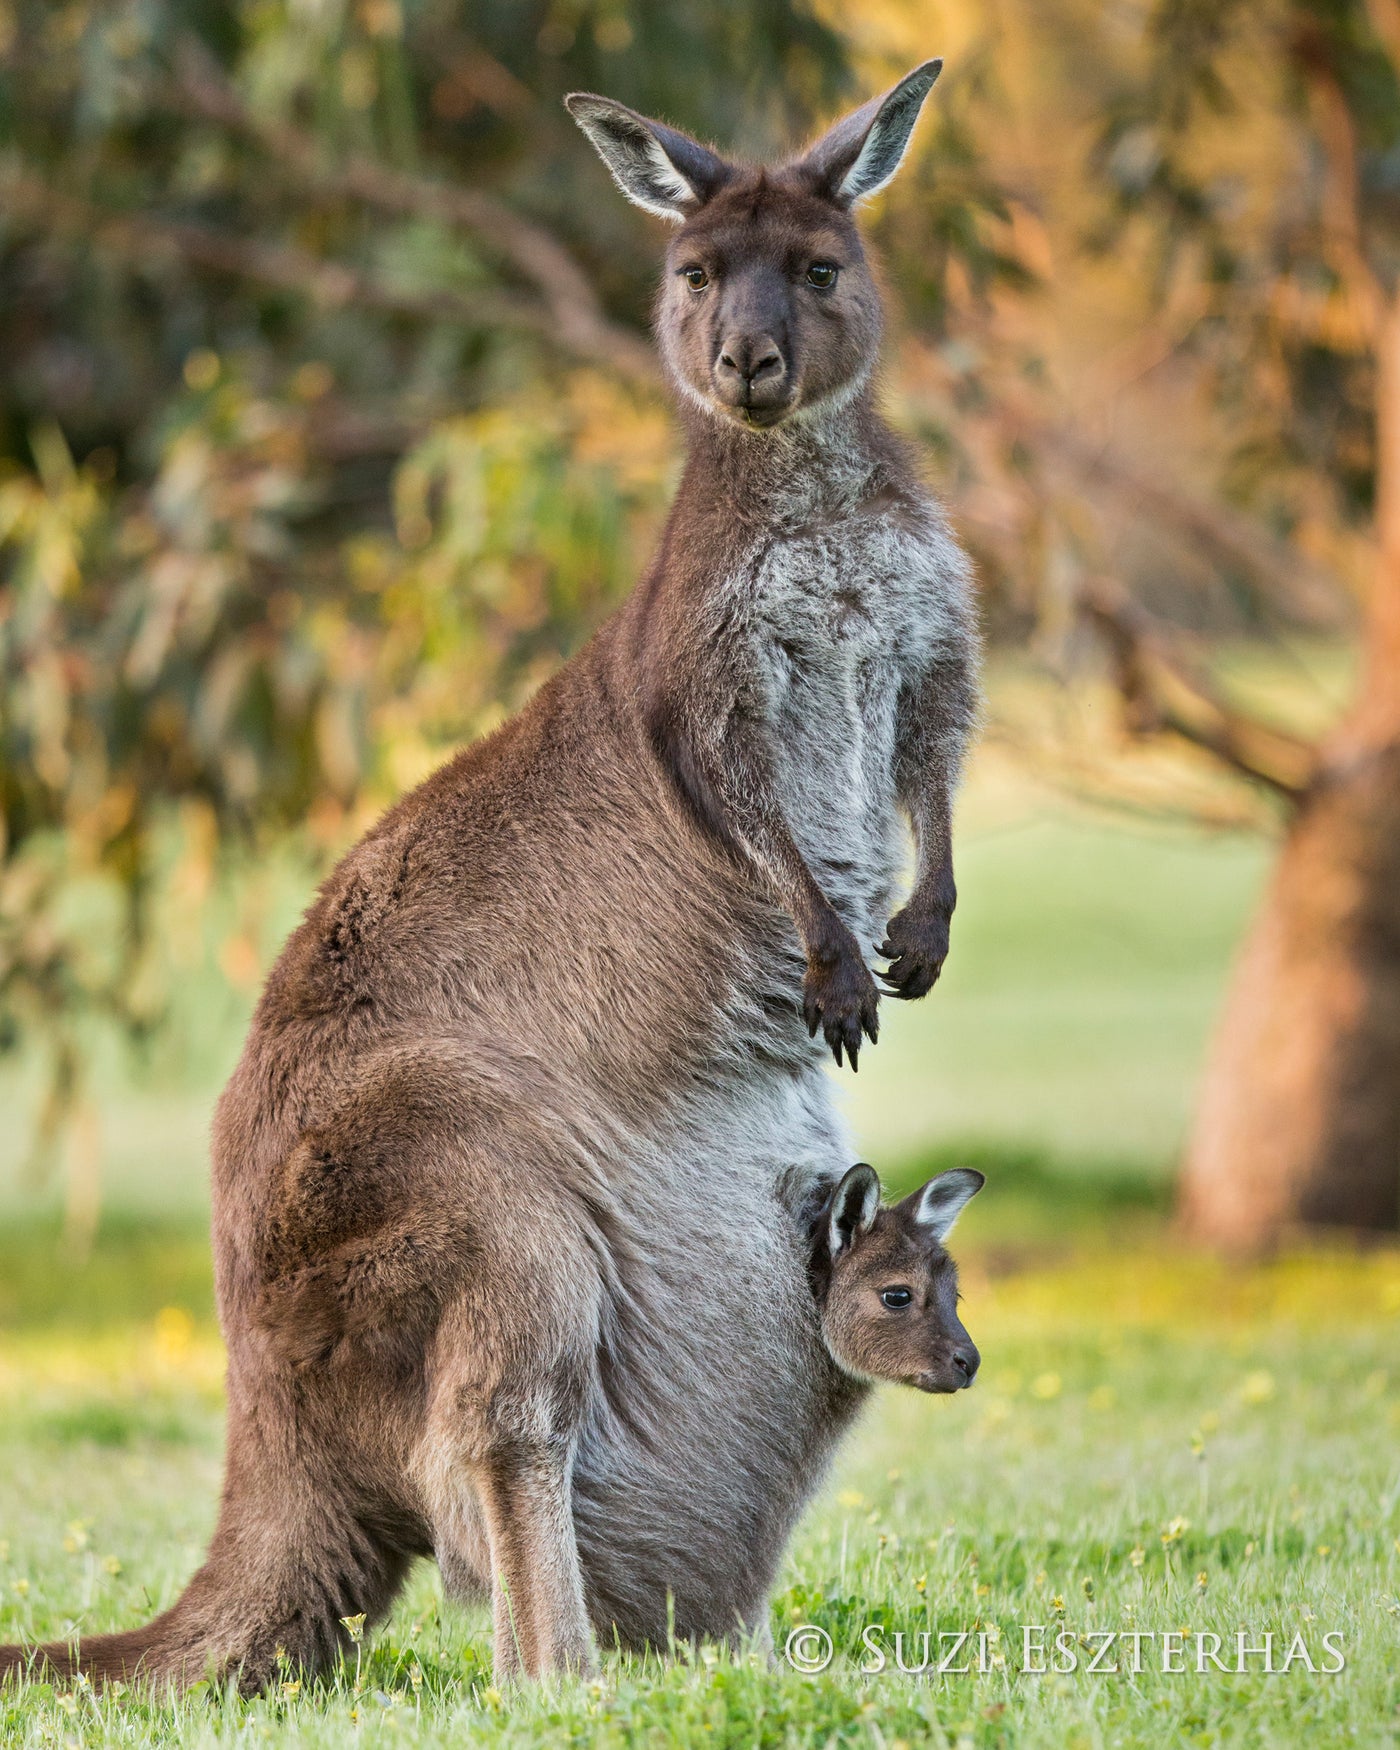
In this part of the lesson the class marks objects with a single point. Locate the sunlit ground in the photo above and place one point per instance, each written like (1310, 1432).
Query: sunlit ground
(1157, 1443)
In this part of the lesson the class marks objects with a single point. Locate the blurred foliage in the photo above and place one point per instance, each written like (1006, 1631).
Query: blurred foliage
(328, 421)
(313, 456)
(184, 641)
(1262, 148)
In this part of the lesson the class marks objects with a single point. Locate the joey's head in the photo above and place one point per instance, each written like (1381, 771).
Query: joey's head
(767, 308)
(887, 1289)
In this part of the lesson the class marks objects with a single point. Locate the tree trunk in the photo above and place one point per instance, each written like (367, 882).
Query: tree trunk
(1299, 1116)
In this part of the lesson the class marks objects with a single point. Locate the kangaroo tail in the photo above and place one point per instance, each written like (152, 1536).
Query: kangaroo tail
(103, 1658)
(266, 1599)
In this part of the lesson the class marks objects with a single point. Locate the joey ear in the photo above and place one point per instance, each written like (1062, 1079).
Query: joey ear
(657, 167)
(939, 1203)
(854, 1205)
(860, 154)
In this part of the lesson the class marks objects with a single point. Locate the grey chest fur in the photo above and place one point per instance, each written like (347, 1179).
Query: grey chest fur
(843, 618)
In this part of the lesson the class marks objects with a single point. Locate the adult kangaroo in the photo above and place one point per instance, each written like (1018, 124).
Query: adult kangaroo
(506, 1184)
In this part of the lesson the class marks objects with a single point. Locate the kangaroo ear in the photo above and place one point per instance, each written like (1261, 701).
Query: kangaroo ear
(858, 156)
(854, 1205)
(939, 1204)
(658, 167)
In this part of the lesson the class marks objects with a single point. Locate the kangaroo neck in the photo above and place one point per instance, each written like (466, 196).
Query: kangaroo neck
(808, 467)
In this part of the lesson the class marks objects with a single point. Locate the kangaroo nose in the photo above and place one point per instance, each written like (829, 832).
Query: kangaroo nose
(751, 360)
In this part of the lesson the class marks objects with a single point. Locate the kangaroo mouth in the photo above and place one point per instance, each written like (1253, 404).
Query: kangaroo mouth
(937, 1384)
(757, 406)
(757, 418)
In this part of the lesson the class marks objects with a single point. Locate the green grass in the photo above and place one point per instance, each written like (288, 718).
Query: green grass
(1087, 963)
(1156, 1443)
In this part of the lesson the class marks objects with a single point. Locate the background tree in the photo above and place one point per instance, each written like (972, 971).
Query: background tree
(1299, 1117)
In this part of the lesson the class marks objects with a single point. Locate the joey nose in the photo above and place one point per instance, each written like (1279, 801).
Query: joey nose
(966, 1361)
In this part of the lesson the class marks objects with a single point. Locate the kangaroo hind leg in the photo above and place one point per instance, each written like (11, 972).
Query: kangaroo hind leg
(512, 1366)
(539, 1616)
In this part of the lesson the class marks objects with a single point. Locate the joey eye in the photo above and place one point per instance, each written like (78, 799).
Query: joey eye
(895, 1298)
(696, 278)
(822, 275)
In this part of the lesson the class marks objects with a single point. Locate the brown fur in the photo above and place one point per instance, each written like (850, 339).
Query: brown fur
(503, 1182)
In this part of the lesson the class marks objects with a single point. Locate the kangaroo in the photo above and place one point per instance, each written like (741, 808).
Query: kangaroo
(886, 1289)
(492, 1284)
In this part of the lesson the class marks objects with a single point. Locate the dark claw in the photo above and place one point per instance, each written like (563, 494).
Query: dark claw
(913, 969)
(841, 998)
(916, 942)
(910, 980)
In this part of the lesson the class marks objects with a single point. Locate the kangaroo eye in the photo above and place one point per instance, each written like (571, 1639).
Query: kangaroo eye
(696, 278)
(822, 275)
(895, 1298)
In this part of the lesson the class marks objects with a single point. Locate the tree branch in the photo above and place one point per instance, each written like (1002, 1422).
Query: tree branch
(1341, 213)
(1161, 695)
(1010, 418)
(576, 318)
(1228, 537)
(328, 283)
